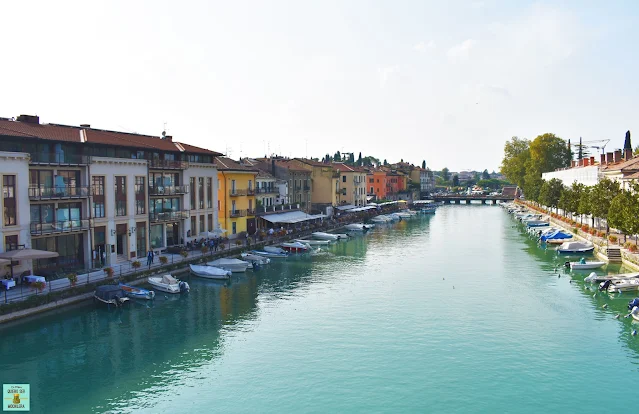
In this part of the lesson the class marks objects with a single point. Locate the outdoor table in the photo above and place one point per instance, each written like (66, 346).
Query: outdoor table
(34, 278)
(8, 283)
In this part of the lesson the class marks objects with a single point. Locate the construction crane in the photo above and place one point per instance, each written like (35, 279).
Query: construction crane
(599, 144)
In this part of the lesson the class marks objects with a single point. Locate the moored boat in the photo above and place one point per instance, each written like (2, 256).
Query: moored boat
(313, 242)
(274, 249)
(135, 292)
(270, 254)
(575, 247)
(295, 247)
(210, 272)
(234, 265)
(358, 227)
(584, 265)
(325, 236)
(110, 295)
(168, 284)
(248, 257)
(624, 285)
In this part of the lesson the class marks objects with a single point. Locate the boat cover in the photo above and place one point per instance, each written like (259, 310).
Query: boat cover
(169, 280)
(575, 246)
(554, 235)
(108, 292)
(223, 261)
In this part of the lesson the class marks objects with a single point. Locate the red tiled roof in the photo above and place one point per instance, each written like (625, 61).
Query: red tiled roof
(348, 168)
(630, 165)
(96, 136)
(40, 131)
(312, 162)
(227, 164)
(291, 166)
(197, 150)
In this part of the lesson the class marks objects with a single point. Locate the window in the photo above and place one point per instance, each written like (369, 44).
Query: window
(209, 192)
(192, 184)
(210, 222)
(120, 196)
(201, 224)
(250, 184)
(140, 196)
(234, 227)
(233, 206)
(250, 205)
(372, 190)
(97, 185)
(370, 180)
(378, 180)
(343, 178)
(219, 205)
(233, 186)
(200, 187)
(9, 196)
(193, 225)
(140, 237)
(10, 243)
(156, 236)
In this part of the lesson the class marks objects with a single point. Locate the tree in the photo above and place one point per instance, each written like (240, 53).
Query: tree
(359, 159)
(337, 157)
(351, 158)
(565, 199)
(532, 182)
(624, 213)
(513, 166)
(424, 165)
(385, 162)
(485, 175)
(550, 192)
(455, 180)
(548, 153)
(446, 174)
(573, 197)
(601, 196)
(584, 206)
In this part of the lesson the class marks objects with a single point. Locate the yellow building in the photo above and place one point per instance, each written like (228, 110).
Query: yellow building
(236, 196)
(325, 189)
(352, 184)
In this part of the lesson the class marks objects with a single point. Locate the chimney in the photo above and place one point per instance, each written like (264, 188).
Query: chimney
(85, 125)
(586, 162)
(169, 138)
(603, 159)
(609, 158)
(627, 154)
(581, 162)
(592, 160)
(29, 119)
(617, 155)
(573, 163)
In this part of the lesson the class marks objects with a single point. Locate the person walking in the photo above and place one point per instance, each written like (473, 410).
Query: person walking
(149, 258)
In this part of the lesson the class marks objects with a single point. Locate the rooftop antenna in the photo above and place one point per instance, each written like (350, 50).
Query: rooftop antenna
(164, 131)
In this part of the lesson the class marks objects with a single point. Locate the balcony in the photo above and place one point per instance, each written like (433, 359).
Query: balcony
(237, 213)
(168, 164)
(250, 212)
(267, 190)
(168, 190)
(54, 158)
(39, 229)
(357, 183)
(250, 191)
(335, 174)
(307, 188)
(277, 208)
(169, 216)
(236, 192)
(58, 192)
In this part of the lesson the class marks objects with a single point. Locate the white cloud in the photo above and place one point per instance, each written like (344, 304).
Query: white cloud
(386, 73)
(423, 46)
(477, 4)
(462, 50)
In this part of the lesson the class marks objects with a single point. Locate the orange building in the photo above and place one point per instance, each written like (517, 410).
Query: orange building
(376, 184)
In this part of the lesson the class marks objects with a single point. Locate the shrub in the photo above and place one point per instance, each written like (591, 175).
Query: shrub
(108, 271)
(164, 259)
(73, 278)
(184, 253)
(204, 249)
(575, 230)
(592, 231)
(633, 248)
(584, 227)
(238, 243)
(601, 233)
(136, 264)
(39, 286)
(222, 246)
(612, 239)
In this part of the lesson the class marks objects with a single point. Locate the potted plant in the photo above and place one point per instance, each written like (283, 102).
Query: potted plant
(164, 259)
(612, 239)
(238, 243)
(183, 253)
(136, 264)
(39, 286)
(633, 248)
(204, 250)
(108, 271)
(73, 278)
(222, 246)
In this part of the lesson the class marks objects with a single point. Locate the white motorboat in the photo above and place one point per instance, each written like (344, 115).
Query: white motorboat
(635, 313)
(584, 265)
(595, 278)
(264, 253)
(296, 247)
(404, 215)
(575, 247)
(357, 227)
(325, 236)
(210, 272)
(248, 257)
(168, 284)
(624, 285)
(312, 242)
(381, 219)
(275, 249)
(234, 265)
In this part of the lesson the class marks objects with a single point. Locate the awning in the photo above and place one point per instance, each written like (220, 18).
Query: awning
(423, 201)
(291, 217)
(358, 209)
(345, 207)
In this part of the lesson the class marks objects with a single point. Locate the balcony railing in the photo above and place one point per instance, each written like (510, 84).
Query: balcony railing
(59, 227)
(250, 191)
(169, 216)
(237, 192)
(55, 158)
(277, 208)
(168, 164)
(47, 193)
(237, 213)
(250, 212)
(307, 188)
(335, 174)
(168, 190)
(267, 190)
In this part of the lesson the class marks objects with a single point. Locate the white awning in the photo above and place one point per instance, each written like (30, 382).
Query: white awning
(291, 217)
(358, 209)
(423, 201)
(345, 207)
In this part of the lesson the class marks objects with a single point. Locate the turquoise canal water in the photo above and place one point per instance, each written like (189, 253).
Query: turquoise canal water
(455, 312)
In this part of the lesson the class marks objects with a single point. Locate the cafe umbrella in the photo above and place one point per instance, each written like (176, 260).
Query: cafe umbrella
(26, 254)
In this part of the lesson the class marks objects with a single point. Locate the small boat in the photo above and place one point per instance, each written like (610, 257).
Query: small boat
(536, 223)
(234, 265)
(110, 295)
(635, 313)
(557, 241)
(404, 215)
(575, 247)
(325, 236)
(624, 285)
(210, 272)
(555, 235)
(168, 284)
(274, 249)
(296, 247)
(357, 227)
(269, 254)
(248, 257)
(381, 219)
(595, 278)
(136, 292)
(312, 242)
(584, 265)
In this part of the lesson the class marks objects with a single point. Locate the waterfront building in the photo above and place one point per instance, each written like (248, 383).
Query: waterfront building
(425, 178)
(298, 178)
(625, 171)
(236, 196)
(376, 184)
(99, 197)
(325, 185)
(352, 184)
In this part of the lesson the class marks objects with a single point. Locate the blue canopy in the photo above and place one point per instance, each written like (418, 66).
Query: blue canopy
(557, 234)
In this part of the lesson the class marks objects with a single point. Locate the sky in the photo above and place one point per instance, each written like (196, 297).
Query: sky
(448, 82)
